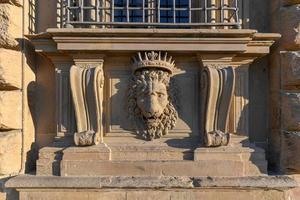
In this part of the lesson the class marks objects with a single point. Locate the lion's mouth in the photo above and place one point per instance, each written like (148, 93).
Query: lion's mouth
(150, 119)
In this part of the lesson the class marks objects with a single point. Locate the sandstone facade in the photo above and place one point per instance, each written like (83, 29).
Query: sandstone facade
(10, 69)
(11, 29)
(290, 62)
(10, 152)
(290, 27)
(285, 82)
(16, 74)
(28, 109)
(290, 111)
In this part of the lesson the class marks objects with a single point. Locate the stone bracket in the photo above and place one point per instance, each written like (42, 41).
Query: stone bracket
(87, 81)
(217, 84)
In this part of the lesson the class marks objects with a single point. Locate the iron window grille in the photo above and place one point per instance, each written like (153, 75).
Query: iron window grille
(151, 13)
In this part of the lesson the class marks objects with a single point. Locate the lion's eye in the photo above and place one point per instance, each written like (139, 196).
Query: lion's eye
(160, 94)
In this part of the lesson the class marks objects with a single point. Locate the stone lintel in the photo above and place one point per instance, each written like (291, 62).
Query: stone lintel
(23, 182)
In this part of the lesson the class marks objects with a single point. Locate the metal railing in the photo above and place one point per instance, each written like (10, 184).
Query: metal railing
(151, 13)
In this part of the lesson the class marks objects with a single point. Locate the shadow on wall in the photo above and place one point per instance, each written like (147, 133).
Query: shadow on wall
(256, 157)
(29, 85)
(11, 194)
(258, 102)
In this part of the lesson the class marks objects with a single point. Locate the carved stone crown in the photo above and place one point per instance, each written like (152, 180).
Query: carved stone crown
(159, 60)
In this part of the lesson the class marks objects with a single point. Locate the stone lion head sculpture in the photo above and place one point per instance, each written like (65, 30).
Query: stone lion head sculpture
(151, 96)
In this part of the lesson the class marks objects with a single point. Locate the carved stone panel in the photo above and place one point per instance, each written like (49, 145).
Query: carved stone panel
(186, 90)
(239, 113)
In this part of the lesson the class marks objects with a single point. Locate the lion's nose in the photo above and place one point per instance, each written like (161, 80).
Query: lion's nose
(152, 110)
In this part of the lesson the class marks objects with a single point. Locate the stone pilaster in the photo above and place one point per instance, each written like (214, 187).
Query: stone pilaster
(65, 121)
(239, 112)
(16, 81)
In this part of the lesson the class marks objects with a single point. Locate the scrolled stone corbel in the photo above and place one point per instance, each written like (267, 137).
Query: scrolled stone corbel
(217, 84)
(87, 81)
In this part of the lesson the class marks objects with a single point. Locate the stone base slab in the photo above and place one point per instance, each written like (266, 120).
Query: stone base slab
(133, 188)
(152, 159)
(152, 168)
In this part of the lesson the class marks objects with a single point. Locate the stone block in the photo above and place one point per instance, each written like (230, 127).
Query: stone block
(10, 152)
(290, 109)
(290, 2)
(10, 110)
(140, 195)
(2, 196)
(109, 195)
(290, 27)
(290, 66)
(14, 2)
(49, 161)
(152, 168)
(161, 187)
(11, 25)
(290, 151)
(10, 69)
(126, 194)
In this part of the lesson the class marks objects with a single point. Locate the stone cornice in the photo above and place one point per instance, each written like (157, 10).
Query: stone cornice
(242, 42)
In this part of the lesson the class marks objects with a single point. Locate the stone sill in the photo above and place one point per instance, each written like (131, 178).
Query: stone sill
(156, 32)
(280, 183)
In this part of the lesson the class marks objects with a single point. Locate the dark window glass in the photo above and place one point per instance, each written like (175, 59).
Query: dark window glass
(165, 11)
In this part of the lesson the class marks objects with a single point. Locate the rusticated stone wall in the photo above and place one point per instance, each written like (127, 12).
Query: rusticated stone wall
(284, 138)
(16, 88)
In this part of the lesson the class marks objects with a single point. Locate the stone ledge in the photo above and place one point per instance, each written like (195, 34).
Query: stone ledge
(43, 182)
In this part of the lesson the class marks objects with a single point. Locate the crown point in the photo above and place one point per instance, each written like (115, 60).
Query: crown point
(153, 59)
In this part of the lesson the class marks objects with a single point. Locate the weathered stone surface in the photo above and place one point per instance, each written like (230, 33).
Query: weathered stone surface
(174, 188)
(290, 66)
(290, 27)
(49, 161)
(10, 110)
(154, 158)
(295, 193)
(290, 2)
(290, 111)
(11, 25)
(10, 152)
(153, 168)
(10, 69)
(43, 182)
(2, 196)
(110, 194)
(290, 151)
(253, 158)
(14, 2)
